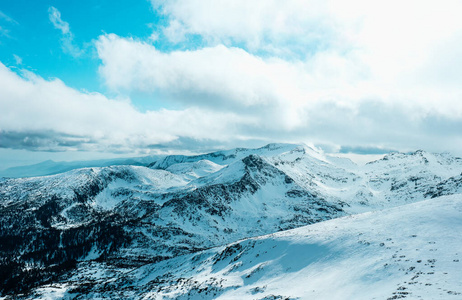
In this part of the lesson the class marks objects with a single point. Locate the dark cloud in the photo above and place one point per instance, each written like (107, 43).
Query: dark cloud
(51, 141)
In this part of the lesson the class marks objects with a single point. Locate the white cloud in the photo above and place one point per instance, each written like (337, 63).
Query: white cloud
(257, 24)
(391, 26)
(399, 45)
(332, 72)
(219, 77)
(57, 117)
(47, 115)
(129, 64)
(349, 73)
(67, 39)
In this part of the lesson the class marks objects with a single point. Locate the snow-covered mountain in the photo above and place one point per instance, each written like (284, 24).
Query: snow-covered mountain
(412, 251)
(144, 231)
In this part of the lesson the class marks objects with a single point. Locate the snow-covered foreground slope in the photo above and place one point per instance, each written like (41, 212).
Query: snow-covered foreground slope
(121, 217)
(412, 251)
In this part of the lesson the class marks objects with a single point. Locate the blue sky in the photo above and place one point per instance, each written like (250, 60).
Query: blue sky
(93, 79)
(33, 38)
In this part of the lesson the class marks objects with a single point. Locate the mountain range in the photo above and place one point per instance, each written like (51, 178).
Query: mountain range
(279, 222)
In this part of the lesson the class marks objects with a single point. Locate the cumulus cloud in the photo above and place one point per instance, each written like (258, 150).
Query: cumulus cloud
(213, 76)
(397, 45)
(221, 77)
(67, 39)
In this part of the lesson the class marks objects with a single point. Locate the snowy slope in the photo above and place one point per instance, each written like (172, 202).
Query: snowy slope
(247, 198)
(396, 179)
(413, 251)
(50, 167)
(194, 170)
(223, 157)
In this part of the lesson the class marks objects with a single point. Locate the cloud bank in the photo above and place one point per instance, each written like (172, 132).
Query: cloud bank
(47, 115)
(354, 75)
